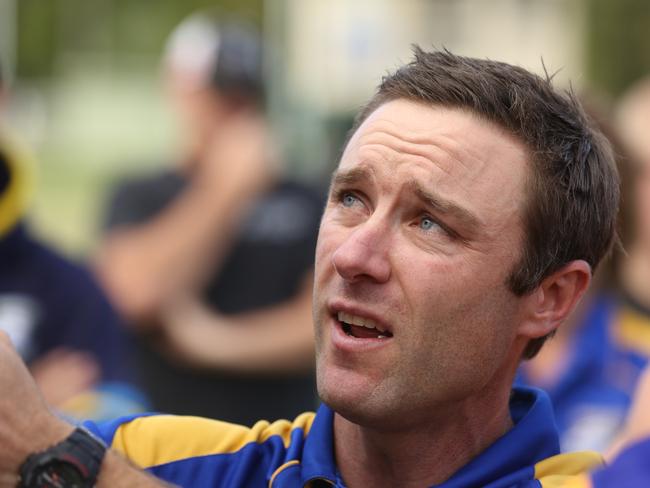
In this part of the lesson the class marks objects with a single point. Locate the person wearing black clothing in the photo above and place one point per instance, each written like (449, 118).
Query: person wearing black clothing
(212, 260)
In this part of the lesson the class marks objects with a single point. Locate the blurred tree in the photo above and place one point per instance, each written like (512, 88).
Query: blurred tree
(50, 29)
(36, 41)
(618, 43)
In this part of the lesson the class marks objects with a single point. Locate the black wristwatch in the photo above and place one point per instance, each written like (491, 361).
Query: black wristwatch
(72, 463)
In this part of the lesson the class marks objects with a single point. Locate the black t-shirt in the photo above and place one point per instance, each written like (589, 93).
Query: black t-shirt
(268, 261)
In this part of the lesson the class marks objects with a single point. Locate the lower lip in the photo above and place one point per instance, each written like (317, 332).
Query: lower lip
(348, 343)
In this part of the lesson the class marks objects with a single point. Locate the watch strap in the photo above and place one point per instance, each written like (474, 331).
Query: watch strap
(80, 451)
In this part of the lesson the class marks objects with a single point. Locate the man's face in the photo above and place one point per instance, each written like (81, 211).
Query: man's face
(421, 230)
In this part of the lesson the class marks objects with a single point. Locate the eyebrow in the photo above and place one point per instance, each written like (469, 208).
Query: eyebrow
(349, 177)
(464, 217)
(439, 205)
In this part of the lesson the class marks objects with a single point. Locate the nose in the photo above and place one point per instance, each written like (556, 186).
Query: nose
(364, 254)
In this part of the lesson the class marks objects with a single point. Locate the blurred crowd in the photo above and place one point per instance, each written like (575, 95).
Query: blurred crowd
(197, 299)
(592, 366)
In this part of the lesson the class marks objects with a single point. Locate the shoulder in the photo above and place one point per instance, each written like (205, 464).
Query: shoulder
(629, 470)
(567, 470)
(152, 440)
(49, 268)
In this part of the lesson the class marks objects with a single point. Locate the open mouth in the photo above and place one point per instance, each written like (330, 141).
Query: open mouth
(361, 327)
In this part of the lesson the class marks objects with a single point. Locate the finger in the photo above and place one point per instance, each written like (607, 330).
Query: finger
(4, 338)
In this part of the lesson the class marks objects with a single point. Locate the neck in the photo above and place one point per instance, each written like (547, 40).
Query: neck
(635, 275)
(422, 455)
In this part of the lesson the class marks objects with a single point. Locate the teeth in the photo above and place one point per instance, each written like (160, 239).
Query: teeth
(360, 321)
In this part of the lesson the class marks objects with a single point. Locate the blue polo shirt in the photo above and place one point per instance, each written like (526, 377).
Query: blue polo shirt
(608, 353)
(196, 452)
(631, 469)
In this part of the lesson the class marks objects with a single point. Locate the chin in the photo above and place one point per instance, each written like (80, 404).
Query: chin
(341, 397)
(350, 409)
(355, 406)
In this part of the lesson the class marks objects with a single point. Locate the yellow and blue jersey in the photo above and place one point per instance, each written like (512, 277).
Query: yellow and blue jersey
(593, 394)
(196, 452)
(631, 469)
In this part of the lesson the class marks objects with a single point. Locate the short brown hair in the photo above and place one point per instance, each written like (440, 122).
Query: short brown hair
(574, 188)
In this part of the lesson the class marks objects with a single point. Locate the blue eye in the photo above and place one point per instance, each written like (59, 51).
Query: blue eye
(349, 200)
(427, 223)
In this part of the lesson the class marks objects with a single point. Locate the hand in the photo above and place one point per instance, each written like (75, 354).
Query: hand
(26, 424)
(62, 374)
(240, 156)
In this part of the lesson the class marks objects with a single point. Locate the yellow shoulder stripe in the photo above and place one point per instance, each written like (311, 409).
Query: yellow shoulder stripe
(160, 439)
(581, 481)
(566, 470)
(632, 330)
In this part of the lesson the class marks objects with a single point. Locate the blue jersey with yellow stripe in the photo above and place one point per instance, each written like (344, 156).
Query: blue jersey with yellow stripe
(631, 469)
(593, 394)
(196, 452)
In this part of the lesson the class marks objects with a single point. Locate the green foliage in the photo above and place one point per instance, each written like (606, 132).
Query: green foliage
(116, 29)
(36, 33)
(618, 43)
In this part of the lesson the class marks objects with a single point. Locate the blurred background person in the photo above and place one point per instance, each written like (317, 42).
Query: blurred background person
(592, 365)
(211, 260)
(628, 459)
(633, 122)
(55, 313)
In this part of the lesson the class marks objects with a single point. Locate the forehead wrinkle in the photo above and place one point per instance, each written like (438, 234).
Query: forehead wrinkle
(430, 146)
(392, 155)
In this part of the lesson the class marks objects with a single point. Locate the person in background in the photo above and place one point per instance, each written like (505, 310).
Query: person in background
(211, 260)
(55, 313)
(633, 123)
(591, 367)
(629, 457)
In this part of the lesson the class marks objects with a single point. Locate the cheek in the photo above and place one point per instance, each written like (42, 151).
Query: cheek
(329, 239)
(327, 244)
(459, 308)
(438, 285)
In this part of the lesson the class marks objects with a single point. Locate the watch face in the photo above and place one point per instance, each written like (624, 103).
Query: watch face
(72, 463)
(60, 474)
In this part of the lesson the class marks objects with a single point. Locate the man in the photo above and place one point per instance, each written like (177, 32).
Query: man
(211, 261)
(466, 216)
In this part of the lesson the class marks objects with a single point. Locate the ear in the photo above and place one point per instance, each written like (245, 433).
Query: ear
(554, 299)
